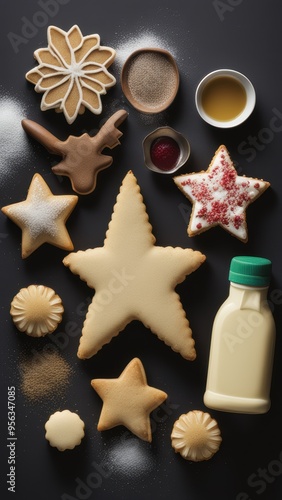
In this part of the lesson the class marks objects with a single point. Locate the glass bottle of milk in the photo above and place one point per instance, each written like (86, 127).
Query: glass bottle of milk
(242, 344)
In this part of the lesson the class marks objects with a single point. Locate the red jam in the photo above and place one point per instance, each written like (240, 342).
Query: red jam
(165, 153)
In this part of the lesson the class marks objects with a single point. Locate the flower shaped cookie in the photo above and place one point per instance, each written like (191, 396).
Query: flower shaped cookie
(36, 310)
(196, 436)
(72, 72)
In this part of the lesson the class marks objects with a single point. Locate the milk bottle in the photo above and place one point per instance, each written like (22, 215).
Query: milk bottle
(242, 344)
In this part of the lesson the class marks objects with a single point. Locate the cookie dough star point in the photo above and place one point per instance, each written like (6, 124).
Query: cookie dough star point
(128, 400)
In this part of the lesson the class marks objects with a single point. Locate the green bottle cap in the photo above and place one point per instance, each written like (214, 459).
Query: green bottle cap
(251, 271)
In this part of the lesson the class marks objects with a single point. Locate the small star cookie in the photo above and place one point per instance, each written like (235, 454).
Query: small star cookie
(42, 217)
(134, 279)
(220, 196)
(128, 400)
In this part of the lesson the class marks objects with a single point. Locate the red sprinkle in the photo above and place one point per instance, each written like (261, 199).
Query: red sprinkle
(165, 153)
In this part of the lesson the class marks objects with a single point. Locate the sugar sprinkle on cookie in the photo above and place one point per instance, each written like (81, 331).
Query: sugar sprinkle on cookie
(220, 196)
(42, 217)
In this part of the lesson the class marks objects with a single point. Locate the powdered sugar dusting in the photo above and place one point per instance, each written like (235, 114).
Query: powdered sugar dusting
(133, 42)
(13, 140)
(39, 213)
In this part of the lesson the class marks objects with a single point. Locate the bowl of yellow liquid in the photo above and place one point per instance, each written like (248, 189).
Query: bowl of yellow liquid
(225, 98)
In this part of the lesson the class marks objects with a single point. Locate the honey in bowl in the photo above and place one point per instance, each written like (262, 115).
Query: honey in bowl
(224, 98)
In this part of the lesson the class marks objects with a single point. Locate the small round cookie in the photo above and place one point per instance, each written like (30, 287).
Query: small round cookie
(36, 310)
(64, 430)
(196, 436)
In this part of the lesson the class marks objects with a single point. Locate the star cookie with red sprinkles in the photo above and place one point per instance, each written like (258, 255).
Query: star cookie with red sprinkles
(220, 196)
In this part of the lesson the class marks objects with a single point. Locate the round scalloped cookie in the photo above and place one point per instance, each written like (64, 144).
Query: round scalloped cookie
(64, 430)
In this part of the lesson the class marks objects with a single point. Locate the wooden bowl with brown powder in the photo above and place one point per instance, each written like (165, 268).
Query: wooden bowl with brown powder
(150, 80)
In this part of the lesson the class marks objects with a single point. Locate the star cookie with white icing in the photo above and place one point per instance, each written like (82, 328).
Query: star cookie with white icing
(134, 279)
(42, 217)
(128, 400)
(220, 196)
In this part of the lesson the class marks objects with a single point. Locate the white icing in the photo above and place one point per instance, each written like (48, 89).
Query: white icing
(220, 196)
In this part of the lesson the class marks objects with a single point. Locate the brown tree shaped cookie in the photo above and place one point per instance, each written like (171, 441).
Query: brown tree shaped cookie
(82, 156)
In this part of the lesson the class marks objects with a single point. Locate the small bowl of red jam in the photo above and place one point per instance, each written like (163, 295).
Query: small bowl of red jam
(165, 150)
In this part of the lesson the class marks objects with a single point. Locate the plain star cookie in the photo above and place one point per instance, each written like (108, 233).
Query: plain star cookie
(72, 72)
(42, 217)
(82, 156)
(134, 279)
(128, 400)
(220, 196)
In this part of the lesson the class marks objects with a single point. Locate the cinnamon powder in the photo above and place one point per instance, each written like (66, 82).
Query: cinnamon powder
(151, 79)
(44, 375)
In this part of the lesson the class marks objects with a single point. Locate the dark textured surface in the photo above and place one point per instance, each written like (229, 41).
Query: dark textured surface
(203, 36)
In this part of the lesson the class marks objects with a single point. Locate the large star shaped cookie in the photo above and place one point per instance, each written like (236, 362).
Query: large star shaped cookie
(134, 279)
(128, 400)
(220, 196)
(42, 217)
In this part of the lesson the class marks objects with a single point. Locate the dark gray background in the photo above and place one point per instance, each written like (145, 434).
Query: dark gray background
(203, 35)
